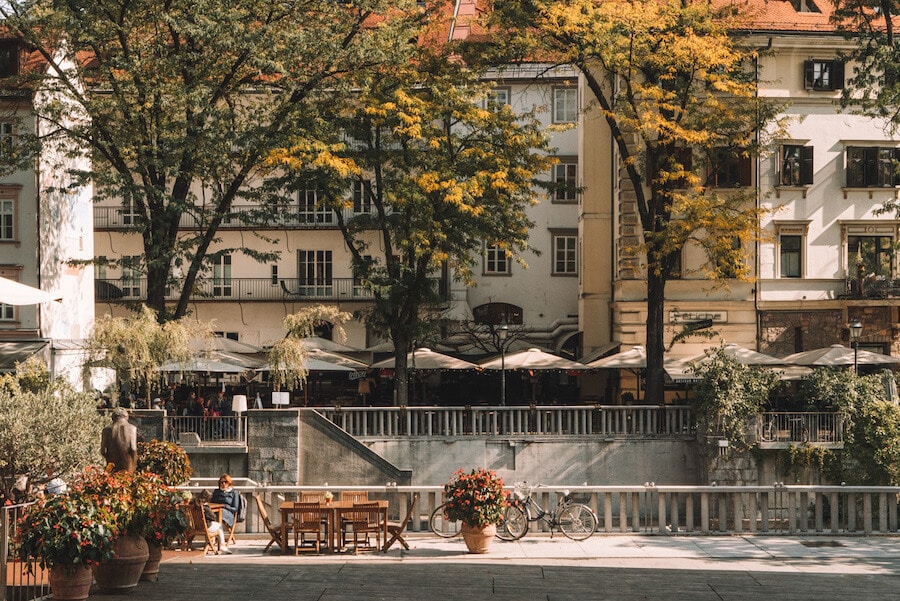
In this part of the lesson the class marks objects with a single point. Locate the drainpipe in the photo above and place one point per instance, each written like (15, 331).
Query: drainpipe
(767, 47)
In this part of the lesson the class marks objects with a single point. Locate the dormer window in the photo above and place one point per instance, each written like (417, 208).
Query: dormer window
(805, 6)
(9, 59)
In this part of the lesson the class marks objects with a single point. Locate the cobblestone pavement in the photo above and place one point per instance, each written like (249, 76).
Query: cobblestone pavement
(635, 567)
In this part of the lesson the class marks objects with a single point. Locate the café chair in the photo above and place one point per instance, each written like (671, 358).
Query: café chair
(307, 520)
(359, 523)
(355, 496)
(274, 530)
(197, 527)
(396, 529)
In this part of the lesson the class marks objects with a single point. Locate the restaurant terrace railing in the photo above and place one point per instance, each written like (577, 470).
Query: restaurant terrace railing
(776, 429)
(564, 420)
(224, 429)
(653, 509)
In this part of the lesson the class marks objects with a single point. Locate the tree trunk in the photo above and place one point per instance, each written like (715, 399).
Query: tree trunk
(655, 372)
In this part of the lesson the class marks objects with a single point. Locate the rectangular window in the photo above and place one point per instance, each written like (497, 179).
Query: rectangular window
(273, 275)
(495, 260)
(565, 180)
(128, 212)
(565, 105)
(222, 276)
(315, 270)
(7, 138)
(823, 75)
(791, 256)
(729, 168)
(7, 312)
(359, 288)
(131, 276)
(796, 165)
(362, 202)
(310, 209)
(872, 166)
(565, 254)
(7, 219)
(497, 98)
(9, 59)
(871, 255)
(728, 263)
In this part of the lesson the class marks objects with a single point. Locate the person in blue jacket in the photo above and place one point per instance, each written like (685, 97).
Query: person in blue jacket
(230, 498)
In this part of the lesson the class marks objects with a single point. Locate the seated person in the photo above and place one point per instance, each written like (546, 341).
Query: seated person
(227, 496)
(202, 498)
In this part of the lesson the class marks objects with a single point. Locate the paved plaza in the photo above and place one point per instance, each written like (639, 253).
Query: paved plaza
(694, 568)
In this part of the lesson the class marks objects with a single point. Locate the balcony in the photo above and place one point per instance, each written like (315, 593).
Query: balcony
(240, 217)
(784, 429)
(872, 287)
(249, 289)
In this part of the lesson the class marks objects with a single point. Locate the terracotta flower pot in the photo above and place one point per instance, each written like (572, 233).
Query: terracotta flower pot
(478, 540)
(70, 587)
(122, 573)
(151, 570)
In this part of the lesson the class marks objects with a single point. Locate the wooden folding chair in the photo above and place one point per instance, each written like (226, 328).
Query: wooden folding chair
(396, 529)
(355, 496)
(197, 527)
(312, 497)
(306, 518)
(274, 530)
(363, 520)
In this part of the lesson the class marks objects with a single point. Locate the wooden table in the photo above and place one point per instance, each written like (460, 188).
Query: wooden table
(332, 513)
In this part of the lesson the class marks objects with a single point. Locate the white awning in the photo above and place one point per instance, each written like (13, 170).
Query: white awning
(14, 293)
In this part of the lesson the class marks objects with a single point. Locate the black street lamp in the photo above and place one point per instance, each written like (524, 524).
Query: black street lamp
(502, 333)
(855, 332)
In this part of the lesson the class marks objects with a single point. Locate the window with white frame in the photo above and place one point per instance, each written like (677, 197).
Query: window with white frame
(315, 269)
(7, 138)
(7, 219)
(131, 275)
(310, 209)
(497, 97)
(565, 252)
(870, 250)
(128, 212)
(222, 276)
(823, 75)
(362, 202)
(565, 104)
(790, 248)
(496, 261)
(565, 180)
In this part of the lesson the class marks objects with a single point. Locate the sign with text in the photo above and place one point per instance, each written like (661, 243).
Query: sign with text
(695, 316)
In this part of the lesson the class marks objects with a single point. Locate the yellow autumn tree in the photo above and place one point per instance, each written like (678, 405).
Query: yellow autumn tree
(677, 89)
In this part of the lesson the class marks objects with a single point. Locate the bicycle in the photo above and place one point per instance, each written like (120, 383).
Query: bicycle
(575, 520)
(444, 527)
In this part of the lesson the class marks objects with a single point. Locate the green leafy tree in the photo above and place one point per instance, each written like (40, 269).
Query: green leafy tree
(728, 395)
(287, 357)
(443, 171)
(137, 346)
(677, 89)
(45, 431)
(181, 102)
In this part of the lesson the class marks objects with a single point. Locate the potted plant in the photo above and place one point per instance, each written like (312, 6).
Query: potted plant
(156, 517)
(167, 459)
(125, 494)
(477, 500)
(68, 534)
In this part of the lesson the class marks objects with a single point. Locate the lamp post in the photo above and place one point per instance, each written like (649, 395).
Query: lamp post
(502, 333)
(855, 332)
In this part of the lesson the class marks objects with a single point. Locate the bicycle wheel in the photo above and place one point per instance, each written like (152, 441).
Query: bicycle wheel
(514, 525)
(441, 525)
(577, 521)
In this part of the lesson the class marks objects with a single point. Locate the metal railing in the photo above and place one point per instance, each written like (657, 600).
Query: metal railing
(654, 509)
(22, 580)
(796, 427)
(249, 289)
(568, 420)
(225, 430)
(239, 217)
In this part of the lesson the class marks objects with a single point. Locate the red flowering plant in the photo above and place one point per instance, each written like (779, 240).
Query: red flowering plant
(115, 491)
(476, 499)
(156, 516)
(70, 530)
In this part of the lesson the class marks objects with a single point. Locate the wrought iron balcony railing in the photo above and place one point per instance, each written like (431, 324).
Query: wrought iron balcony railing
(249, 289)
(240, 216)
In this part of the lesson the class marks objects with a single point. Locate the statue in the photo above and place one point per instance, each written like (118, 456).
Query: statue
(118, 442)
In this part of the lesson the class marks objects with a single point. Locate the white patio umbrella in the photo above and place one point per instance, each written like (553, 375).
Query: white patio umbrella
(14, 293)
(313, 364)
(221, 343)
(337, 359)
(532, 358)
(633, 358)
(741, 354)
(315, 342)
(425, 358)
(837, 355)
(203, 365)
